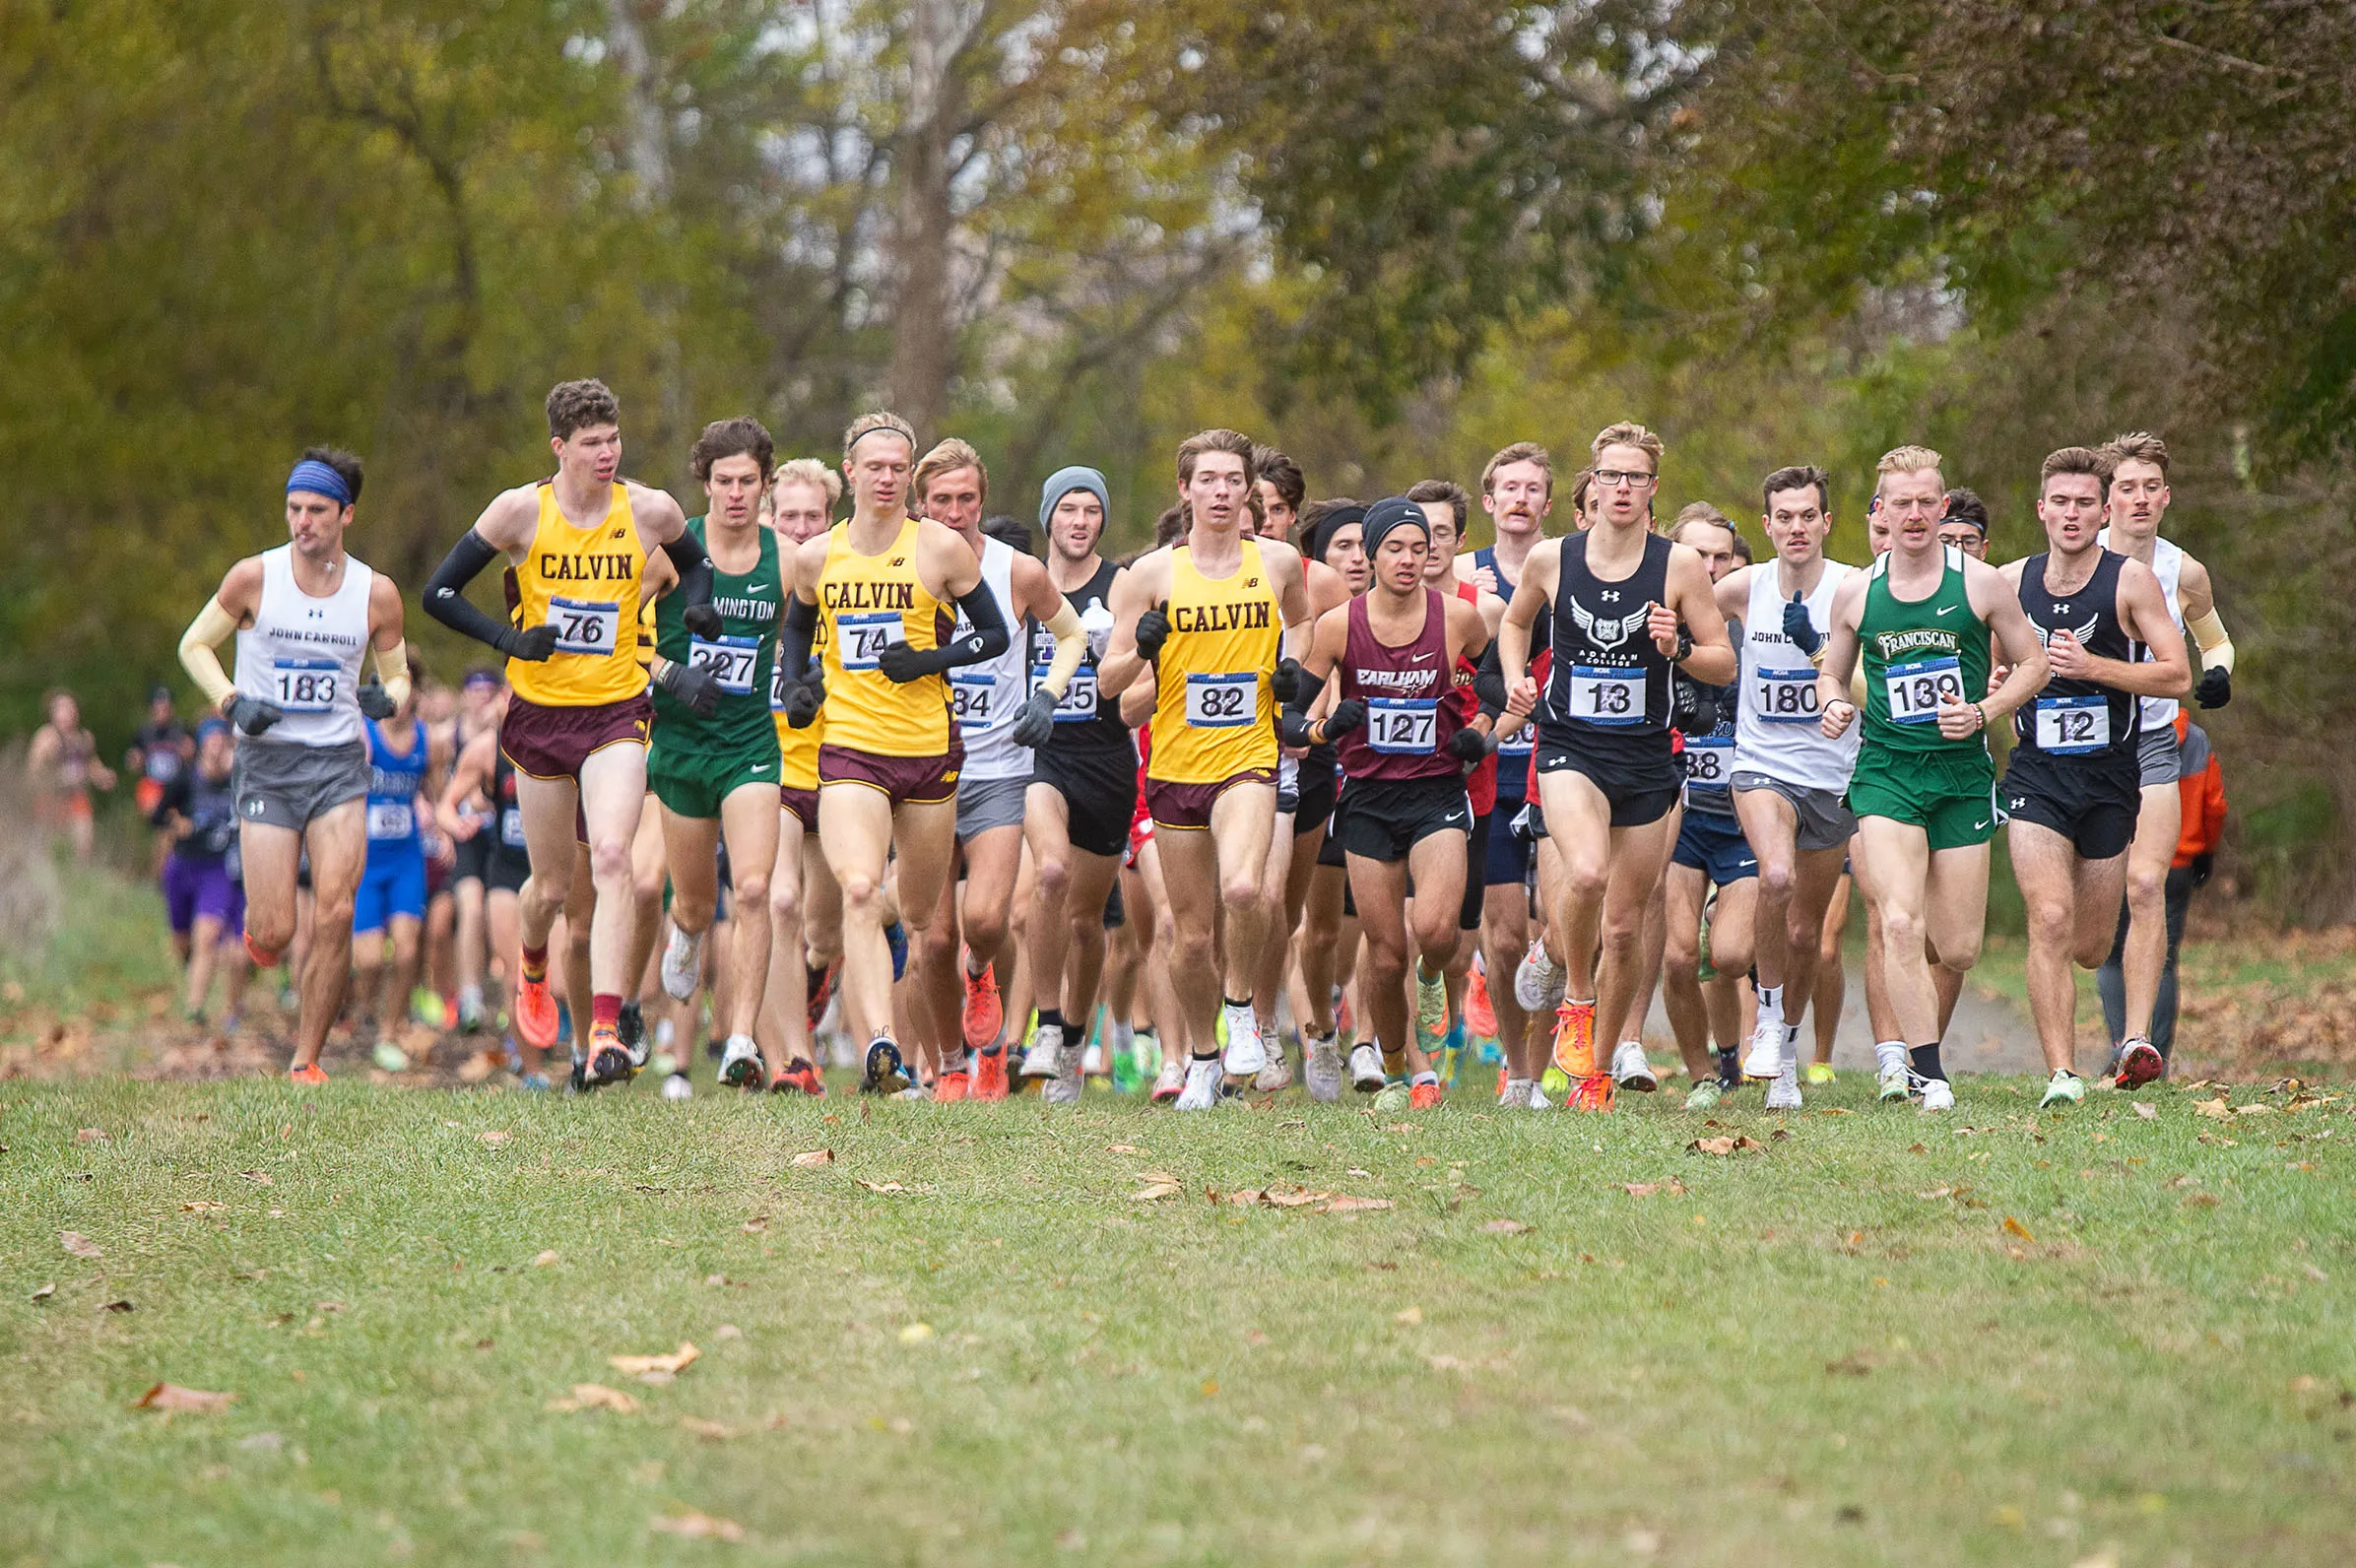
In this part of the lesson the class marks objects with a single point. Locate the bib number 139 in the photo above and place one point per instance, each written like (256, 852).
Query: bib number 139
(1916, 689)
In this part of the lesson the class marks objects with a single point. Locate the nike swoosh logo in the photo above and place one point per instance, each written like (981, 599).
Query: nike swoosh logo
(1943, 609)
(1976, 827)
(762, 768)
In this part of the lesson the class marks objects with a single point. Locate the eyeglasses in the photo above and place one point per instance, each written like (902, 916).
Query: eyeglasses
(1613, 478)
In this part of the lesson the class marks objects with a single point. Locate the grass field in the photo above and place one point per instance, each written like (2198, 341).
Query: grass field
(1990, 1338)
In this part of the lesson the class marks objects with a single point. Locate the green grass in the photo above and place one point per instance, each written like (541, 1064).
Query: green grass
(1809, 1354)
(105, 948)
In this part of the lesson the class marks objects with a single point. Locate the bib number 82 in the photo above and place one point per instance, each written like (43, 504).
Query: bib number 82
(1222, 701)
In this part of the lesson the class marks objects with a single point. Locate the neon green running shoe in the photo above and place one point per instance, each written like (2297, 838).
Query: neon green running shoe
(1819, 1071)
(1393, 1097)
(1705, 1095)
(2064, 1088)
(1431, 1010)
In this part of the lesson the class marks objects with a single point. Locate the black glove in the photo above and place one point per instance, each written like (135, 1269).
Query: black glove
(374, 699)
(703, 620)
(1800, 630)
(902, 664)
(2215, 688)
(1692, 707)
(1467, 746)
(251, 715)
(1036, 725)
(2202, 868)
(1293, 729)
(803, 699)
(1286, 680)
(1347, 715)
(532, 644)
(692, 684)
(1153, 629)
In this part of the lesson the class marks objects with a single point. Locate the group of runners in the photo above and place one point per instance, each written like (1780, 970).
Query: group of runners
(1319, 754)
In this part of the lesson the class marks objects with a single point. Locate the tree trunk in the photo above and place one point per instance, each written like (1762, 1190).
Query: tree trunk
(922, 351)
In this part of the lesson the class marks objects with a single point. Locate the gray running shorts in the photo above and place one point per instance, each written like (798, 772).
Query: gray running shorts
(287, 784)
(987, 802)
(2155, 752)
(1824, 821)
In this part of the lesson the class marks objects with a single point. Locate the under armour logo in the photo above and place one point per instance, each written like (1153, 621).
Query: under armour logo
(1611, 596)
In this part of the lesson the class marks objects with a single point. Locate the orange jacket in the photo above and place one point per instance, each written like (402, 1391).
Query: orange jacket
(2203, 789)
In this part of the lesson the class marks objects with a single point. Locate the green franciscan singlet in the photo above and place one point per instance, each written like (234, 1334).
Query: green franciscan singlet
(751, 607)
(1914, 654)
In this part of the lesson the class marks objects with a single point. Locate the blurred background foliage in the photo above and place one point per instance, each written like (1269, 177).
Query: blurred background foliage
(1387, 235)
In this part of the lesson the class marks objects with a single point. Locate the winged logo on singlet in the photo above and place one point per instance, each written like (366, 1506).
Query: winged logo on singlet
(2083, 635)
(1607, 631)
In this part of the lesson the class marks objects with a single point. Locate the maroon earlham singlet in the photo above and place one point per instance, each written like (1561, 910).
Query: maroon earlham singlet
(1410, 693)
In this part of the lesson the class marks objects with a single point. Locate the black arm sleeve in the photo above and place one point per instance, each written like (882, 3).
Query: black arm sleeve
(695, 564)
(445, 592)
(987, 640)
(1488, 681)
(794, 638)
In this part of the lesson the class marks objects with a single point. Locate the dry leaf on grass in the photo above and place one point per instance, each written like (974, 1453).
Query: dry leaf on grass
(1344, 1204)
(1723, 1146)
(202, 1205)
(119, 1306)
(1156, 1192)
(1673, 1187)
(1407, 1315)
(639, 1365)
(44, 1292)
(1293, 1198)
(1855, 1365)
(1123, 1148)
(169, 1397)
(545, 1258)
(2145, 1109)
(758, 1224)
(2254, 1110)
(88, 1134)
(880, 1187)
(2013, 1228)
(1505, 1227)
(816, 1156)
(709, 1431)
(78, 1244)
(2203, 1201)
(596, 1396)
(696, 1527)
(494, 1137)
(2212, 1108)
(260, 1178)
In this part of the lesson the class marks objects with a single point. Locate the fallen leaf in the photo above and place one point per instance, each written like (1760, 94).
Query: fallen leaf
(816, 1156)
(636, 1365)
(1355, 1171)
(494, 1137)
(2254, 1110)
(709, 1431)
(1641, 1189)
(119, 1306)
(1936, 1193)
(1407, 1315)
(78, 1244)
(1505, 1227)
(1856, 1364)
(1156, 1192)
(202, 1205)
(1836, 1110)
(545, 1258)
(880, 1187)
(2145, 1109)
(88, 1134)
(1344, 1204)
(1241, 1197)
(728, 1331)
(1293, 1198)
(1722, 1145)
(2213, 1108)
(172, 1396)
(44, 1292)
(696, 1527)
(1915, 1148)
(758, 1224)
(1123, 1148)
(260, 1178)
(916, 1334)
(2013, 1228)
(2203, 1201)
(2315, 1274)
(596, 1396)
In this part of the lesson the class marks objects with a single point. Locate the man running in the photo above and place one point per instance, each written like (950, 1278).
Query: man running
(2139, 505)
(576, 723)
(1628, 606)
(1206, 617)
(1789, 775)
(197, 813)
(390, 900)
(303, 614)
(2073, 788)
(1924, 618)
(889, 587)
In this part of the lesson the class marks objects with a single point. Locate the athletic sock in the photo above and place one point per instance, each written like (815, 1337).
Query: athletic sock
(1226, 1000)
(1729, 1068)
(470, 997)
(1198, 1056)
(1395, 1062)
(1425, 1077)
(1051, 1018)
(1926, 1061)
(535, 963)
(604, 1009)
(1771, 1003)
(1790, 1045)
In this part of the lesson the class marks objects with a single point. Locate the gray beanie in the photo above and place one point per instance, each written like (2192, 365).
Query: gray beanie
(1063, 482)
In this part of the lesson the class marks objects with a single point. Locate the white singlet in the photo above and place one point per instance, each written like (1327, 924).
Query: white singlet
(303, 653)
(1780, 730)
(2166, 564)
(987, 698)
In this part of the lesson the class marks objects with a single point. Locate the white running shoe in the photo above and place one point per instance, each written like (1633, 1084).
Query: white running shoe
(740, 1061)
(1537, 981)
(1063, 1089)
(1630, 1070)
(1321, 1065)
(1245, 1054)
(1538, 1099)
(1783, 1090)
(1365, 1068)
(1046, 1050)
(1203, 1080)
(677, 1087)
(1171, 1079)
(1938, 1093)
(1277, 1075)
(1517, 1094)
(1891, 1077)
(1091, 1061)
(1765, 1058)
(682, 964)
(918, 1091)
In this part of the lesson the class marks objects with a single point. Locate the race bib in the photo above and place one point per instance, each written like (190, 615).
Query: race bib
(1223, 701)
(972, 695)
(1916, 689)
(512, 827)
(1522, 743)
(1402, 726)
(391, 819)
(1786, 696)
(1607, 696)
(1709, 762)
(585, 627)
(2069, 726)
(1079, 697)
(306, 686)
(729, 659)
(865, 637)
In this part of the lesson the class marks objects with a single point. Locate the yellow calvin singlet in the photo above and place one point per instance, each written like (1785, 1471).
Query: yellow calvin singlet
(865, 603)
(584, 582)
(1213, 716)
(798, 750)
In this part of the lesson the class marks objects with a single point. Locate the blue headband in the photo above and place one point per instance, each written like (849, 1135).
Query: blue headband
(1063, 482)
(316, 477)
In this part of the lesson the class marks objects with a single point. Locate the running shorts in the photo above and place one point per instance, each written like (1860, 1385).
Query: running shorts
(394, 885)
(902, 780)
(1714, 845)
(549, 742)
(2091, 802)
(1387, 820)
(693, 783)
(1176, 805)
(1825, 822)
(287, 784)
(1951, 797)
(984, 804)
(1099, 796)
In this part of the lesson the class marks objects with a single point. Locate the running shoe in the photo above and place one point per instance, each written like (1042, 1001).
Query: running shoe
(1393, 1098)
(1246, 1053)
(798, 1077)
(1277, 1075)
(1480, 1014)
(1046, 1050)
(306, 1073)
(1765, 1058)
(884, 1071)
(985, 1014)
(1092, 1061)
(952, 1085)
(534, 1012)
(1591, 1092)
(1204, 1076)
(1820, 1074)
(677, 1087)
(682, 964)
(1431, 1010)
(470, 1014)
(631, 1026)
(1538, 980)
(915, 1091)
(820, 984)
(1938, 1093)
(739, 1063)
(1893, 1080)
(662, 1064)
(1783, 1089)
(533, 1083)
(1514, 1094)
(2139, 1062)
(1554, 1081)
(1366, 1073)
(1705, 1095)
(1537, 1097)
(1575, 1037)
(990, 1075)
(429, 1010)
(895, 936)
(1321, 1065)
(1171, 1080)
(389, 1058)
(1630, 1070)
(608, 1059)
(1066, 1087)
(2064, 1088)
(1426, 1097)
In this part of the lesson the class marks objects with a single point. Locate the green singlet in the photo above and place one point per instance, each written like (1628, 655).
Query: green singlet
(1914, 654)
(694, 761)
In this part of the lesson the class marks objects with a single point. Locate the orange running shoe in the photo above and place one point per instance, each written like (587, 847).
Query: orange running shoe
(985, 1014)
(307, 1074)
(821, 989)
(261, 959)
(952, 1086)
(608, 1059)
(1591, 1092)
(990, 1075)
(536, 1014)
(1481, 1014)
(1575, 1038)
(1426, 1097)
(800, 1077)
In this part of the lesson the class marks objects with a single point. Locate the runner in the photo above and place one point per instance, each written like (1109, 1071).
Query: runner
(1082, 793)
(1628, 608)
(1963, 523)
(999, 718)
(2074, 785)
(1391, 655)
(1335, 560)
(1208, 615)
(391, 898)
(160, 751)
(304, 613)
(480, 697)
(2202, 784)
(886, 585)
(1789, 775)
(2139, 498)
(197, 812)
(577, 720)
(716, 772)
(1924, 618)
(63, 765)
